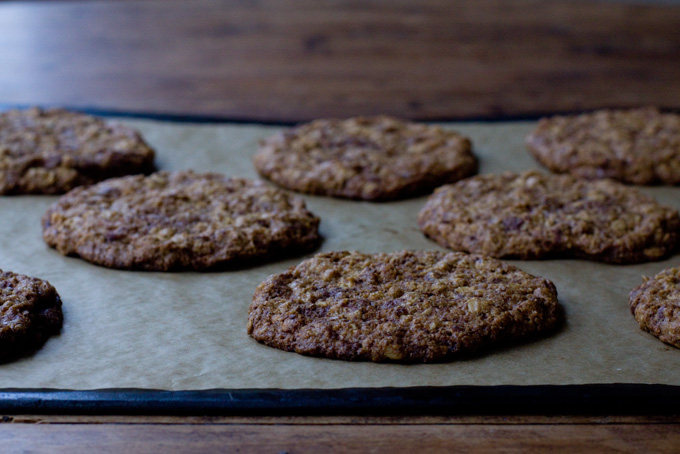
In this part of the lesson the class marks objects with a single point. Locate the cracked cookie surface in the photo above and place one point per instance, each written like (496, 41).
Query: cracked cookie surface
(637, 146)
(532, 216)
(408, 306)
(52, 151)
(30, 312)
(369, 158)
(178, 220)
(655, 304)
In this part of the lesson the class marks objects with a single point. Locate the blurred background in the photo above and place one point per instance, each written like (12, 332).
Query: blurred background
(293, 60)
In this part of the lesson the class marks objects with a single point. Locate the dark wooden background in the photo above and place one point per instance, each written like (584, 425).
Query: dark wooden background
(290, 60)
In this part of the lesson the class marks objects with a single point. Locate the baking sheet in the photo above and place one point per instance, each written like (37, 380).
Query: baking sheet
(186, 330)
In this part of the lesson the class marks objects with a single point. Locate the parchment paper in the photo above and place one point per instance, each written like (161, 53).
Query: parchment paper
(186, 331)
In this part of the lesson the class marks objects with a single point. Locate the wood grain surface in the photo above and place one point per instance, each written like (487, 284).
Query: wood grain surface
(134, 435)
(290, 60)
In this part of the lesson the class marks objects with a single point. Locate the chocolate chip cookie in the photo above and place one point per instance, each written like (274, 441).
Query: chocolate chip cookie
(409, 306)
(181, 220)
(638, 146)
(369, 158)
(30, 312)
(535, 216)
(52, 151)
(655, 304)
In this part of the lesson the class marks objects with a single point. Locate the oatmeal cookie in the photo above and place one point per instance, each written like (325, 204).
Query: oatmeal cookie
(181, 220)
(30, 312)
(655, 304)
(637, 146)
(52, 151)
(409, 306)
(534, 216)
(369, 158)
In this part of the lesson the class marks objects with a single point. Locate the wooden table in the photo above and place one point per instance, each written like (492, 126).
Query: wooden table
(287, 61)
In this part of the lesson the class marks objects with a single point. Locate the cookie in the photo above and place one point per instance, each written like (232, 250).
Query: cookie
(655, 304)
(535, 216)
(52, 151)
(370, 158)
(637, 146)
(30, 312)
(182, 220)
(409, 306)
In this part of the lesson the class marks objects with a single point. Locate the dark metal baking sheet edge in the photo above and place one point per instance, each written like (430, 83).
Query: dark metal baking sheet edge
(614, 398)
(207, 119)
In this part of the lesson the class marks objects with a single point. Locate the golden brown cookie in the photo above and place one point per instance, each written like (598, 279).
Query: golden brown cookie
(638, 146)
(533, 216)
(52, 151)
(181, 220)
(30, 312)
(369, 158)
(655, 304)
(404, 306)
